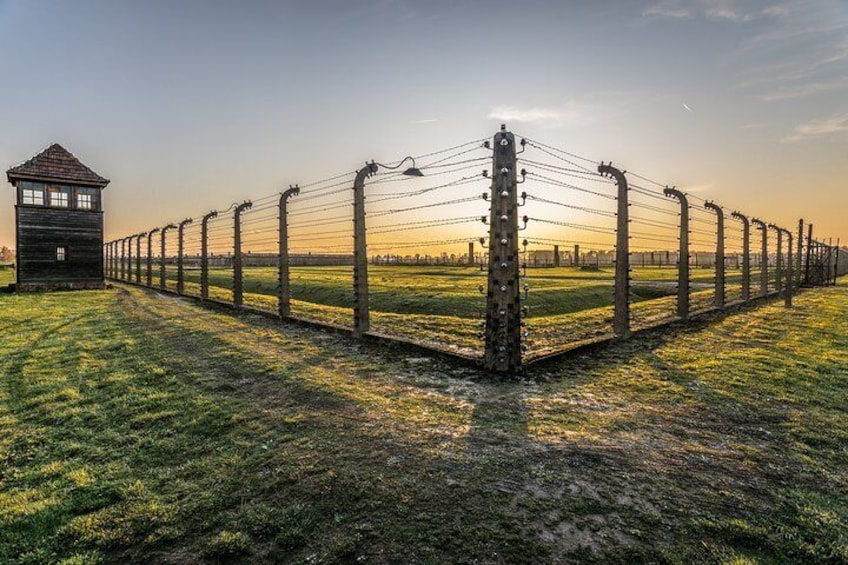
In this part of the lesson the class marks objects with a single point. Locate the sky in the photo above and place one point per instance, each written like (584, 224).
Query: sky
(189, 105)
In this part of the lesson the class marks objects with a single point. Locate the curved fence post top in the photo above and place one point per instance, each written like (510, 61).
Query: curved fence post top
(710, 205)
(741, 217)
(209, 216)
(186, 222)
(291, 191)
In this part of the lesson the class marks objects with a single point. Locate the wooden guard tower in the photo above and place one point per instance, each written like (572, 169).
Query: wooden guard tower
(58, 222)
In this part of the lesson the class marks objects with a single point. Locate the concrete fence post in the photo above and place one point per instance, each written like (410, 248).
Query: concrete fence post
(746, 255)
(180, 255)
(809, 248)
(238, 271)
(778, 267)
(761, 225)
(123, 264)
(138, 258)
(150, 235)
(789, 277)
(130, 258)
(204, 254)
(162, 270)
(798, 254)
(503, 295)
(361, 313)
(683, 253)
(283, 278)
(470, 262)
(719, 258)
(621, 316)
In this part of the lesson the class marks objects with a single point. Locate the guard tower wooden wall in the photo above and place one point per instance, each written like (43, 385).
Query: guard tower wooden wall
(58, 222)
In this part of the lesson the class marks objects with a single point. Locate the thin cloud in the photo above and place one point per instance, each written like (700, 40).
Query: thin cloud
(424, 121)
(817, 128)
(570, 114)
(800, 91)
(686, 107)
(717, 10)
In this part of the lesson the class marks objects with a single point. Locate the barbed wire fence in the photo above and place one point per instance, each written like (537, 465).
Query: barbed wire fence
(505, 251)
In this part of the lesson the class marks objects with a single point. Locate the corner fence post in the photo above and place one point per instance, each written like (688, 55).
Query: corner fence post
(204, 254)
(180, 249)
(150, 235)
(621, 317)
(719, 258)
(788, 295)
(502, 351)
(761, 225)
(778, 279)
(361, 313)
(809, 248)
(138, 258)
(746, 255)
(683, 254)
(283, 279)
(238, 271)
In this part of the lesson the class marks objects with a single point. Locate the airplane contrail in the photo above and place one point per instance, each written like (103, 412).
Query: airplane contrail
(686, 107)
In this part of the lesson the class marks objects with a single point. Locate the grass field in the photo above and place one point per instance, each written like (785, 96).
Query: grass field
(443, 307)
(139, 428)
(7, 275)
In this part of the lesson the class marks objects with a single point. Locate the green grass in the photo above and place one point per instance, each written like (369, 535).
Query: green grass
(139, 428)
(7, 275)
(442, 306)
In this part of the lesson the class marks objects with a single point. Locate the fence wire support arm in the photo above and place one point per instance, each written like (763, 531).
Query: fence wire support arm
(683, 253)
(180, 255)
(746, 254)
(238, 269)
(283, 278)
(502, 350)
(621, 317)
(204, 254)
(719, 300)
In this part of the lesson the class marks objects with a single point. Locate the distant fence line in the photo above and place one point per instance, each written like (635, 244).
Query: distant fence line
(574, 217)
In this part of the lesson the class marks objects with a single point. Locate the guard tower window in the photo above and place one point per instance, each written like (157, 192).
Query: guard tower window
(59, 196)
(85, 201)
(61, 253)
(33, 195)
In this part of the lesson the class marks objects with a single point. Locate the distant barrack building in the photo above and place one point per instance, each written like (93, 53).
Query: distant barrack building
(58, 222)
